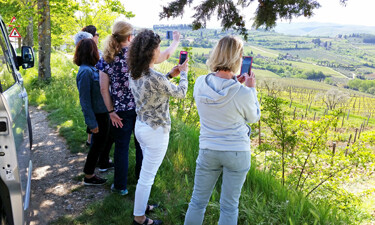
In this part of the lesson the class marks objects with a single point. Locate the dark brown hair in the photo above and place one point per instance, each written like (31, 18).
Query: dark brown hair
(86, 53)
(141, 52)
(90, 29)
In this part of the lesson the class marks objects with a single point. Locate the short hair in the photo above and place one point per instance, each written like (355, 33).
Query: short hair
(226, 55)
(90, 29)
(86, 53)
(81, 35)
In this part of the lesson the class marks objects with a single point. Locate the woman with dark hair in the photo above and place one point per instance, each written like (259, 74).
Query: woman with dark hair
(96, 115)
(114, 86)
(93, 31)
(151, 91)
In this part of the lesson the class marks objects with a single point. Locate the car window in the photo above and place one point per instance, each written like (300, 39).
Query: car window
(7, 78)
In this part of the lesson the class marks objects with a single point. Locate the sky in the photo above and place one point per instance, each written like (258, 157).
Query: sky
(357, 12)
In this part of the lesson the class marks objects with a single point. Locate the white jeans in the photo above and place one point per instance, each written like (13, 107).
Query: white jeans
(154, 144)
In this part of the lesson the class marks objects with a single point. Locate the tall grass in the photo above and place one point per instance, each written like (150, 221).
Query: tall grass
(263, 201)
(59, 97)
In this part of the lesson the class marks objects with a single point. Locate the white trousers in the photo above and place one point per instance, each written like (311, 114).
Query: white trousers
(154, 144)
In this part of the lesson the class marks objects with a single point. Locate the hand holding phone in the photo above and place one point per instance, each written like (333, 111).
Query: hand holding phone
(250, 79)
(183, 57)
(247, 61)
(169, 35)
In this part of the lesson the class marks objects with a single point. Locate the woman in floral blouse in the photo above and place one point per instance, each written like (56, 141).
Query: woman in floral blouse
(114, 86)
(151, 91)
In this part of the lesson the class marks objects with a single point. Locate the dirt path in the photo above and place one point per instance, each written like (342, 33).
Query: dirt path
(56, 191)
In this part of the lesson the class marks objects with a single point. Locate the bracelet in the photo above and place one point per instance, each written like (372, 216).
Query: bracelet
(111, 111)
(169, 75)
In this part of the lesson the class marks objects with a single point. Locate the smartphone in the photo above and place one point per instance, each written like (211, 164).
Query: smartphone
(169, 35)
(246, 64)
(183, 57)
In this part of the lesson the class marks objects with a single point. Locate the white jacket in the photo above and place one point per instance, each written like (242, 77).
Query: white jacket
(225, 107)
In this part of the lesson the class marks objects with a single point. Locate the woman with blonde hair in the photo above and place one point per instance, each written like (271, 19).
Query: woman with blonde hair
(120, 103)
(114, 86)
(224, 107)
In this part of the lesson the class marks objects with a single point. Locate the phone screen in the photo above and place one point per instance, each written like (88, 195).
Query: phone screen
(246, 65)
(169, 35)
(183, 56)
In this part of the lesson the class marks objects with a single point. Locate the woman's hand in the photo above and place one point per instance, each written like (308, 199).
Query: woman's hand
(184, 66)
(250, 80)
(116, 120)
(95, 130)
(174, 72)
(241, 78)
(176, 36)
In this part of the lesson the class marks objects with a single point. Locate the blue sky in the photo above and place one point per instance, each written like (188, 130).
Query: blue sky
(358, 12)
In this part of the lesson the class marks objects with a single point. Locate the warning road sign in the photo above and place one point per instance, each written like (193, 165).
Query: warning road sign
(13, 19)
(14, 33)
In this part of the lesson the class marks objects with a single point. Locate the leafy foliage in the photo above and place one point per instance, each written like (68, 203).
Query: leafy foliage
(228, 12)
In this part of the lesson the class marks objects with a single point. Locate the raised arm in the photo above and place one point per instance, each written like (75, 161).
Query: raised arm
(164, 55)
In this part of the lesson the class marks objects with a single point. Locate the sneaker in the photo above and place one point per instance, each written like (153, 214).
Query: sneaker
(120, 192)
(95, 180)
(109, 166)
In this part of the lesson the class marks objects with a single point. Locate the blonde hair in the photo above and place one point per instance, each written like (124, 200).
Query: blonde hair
(226, 55)
(120, 32)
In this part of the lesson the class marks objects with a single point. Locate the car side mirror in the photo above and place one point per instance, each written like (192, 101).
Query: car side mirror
(27, 57)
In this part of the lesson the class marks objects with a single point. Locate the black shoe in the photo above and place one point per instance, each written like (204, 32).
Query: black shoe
(95, 180)
(149, 210)
(107, 167)
(155, 222)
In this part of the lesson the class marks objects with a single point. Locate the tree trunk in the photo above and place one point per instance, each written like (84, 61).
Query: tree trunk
(29, 37)
(44, 39)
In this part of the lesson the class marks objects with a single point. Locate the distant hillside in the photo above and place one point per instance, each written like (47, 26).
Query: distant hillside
(321, 29)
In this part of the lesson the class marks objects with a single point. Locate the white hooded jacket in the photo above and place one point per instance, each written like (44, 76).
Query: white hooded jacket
(225, 107)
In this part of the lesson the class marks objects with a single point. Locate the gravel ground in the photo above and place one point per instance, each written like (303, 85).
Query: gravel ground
(56, 191)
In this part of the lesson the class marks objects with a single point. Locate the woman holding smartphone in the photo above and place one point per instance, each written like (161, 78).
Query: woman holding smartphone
(151, 91)
(224, 107)
(120, 103)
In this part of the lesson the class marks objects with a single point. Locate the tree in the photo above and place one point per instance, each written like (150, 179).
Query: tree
(333, 97)
(267, 13)
(44, 37)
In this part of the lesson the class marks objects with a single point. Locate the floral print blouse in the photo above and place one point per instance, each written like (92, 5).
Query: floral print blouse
(151, 93)
(118, 73)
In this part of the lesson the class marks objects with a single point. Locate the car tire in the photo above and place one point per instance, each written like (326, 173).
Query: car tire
(3, 218)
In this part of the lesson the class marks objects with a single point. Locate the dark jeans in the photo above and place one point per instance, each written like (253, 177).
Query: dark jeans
(122, 139)
(100, 144)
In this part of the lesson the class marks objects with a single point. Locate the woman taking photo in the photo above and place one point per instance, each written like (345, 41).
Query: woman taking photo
(120, 103)
(93, 108)
(151, 91)
(224, 107)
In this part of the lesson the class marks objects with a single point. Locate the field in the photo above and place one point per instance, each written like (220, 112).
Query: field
(338, 185)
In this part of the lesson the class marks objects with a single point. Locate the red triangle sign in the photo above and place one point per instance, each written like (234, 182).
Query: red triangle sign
(14, 33)
(13, 19)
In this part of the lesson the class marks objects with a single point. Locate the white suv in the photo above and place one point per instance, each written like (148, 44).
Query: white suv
(15, 163)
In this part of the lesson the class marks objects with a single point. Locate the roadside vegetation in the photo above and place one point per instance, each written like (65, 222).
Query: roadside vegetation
(312, 161)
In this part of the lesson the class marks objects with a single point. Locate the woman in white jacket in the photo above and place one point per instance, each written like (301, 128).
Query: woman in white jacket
(225, 106)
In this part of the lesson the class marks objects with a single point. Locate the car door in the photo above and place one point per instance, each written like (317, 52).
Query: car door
(15, 161)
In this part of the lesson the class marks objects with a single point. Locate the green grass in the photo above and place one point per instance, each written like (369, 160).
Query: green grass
(263, 201)
(59, 97)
